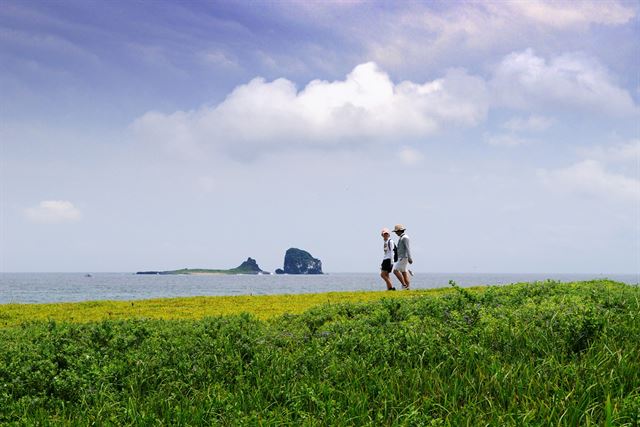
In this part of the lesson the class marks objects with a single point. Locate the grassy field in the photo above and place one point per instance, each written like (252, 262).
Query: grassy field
(262, 307)
(525, 354)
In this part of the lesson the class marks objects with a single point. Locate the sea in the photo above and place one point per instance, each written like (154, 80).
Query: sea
(36, 288)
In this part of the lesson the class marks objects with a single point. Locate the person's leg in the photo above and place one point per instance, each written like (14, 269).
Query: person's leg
(387, 280)
(400, 270)
(399, 276)
(407, 280)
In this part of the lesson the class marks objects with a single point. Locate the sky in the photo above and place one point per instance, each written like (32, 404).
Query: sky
(157, 135)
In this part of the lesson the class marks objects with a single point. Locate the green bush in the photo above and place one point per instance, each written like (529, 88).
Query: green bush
(525, 354)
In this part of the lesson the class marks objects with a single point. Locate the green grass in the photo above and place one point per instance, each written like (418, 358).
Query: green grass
(527, 354)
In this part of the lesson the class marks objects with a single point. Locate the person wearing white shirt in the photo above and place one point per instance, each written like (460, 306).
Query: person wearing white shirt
(387, 260)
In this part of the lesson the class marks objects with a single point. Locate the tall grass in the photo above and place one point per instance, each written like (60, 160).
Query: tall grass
(526, 354)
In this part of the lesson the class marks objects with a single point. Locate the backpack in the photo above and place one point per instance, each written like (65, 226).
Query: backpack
(395, 251)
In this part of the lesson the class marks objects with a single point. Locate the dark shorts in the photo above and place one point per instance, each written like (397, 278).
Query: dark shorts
(386, 265)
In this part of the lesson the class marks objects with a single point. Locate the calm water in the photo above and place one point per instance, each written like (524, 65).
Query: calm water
(71, 287)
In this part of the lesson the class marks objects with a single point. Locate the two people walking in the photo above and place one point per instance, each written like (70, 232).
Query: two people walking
(401, 255)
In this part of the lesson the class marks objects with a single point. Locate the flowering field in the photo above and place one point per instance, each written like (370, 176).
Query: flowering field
(525, 354)
(261, 306)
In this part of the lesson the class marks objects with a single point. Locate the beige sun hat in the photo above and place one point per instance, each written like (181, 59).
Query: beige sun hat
(398, 227)
(385, 231)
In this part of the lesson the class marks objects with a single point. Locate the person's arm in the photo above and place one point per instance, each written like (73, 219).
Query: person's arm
(406, 245)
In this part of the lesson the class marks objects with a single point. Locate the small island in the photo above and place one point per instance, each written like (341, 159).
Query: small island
(298, 261)
(250, 266)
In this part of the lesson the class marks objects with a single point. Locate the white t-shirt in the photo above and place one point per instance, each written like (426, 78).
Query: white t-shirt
(388, 249)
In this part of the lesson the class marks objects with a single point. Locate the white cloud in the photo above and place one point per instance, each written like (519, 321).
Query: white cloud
(526, 81)
(532, 123)
(590, 178)
(366, 106)
(53, 211)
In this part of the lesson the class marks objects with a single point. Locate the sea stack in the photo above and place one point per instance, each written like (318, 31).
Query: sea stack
(297, 261)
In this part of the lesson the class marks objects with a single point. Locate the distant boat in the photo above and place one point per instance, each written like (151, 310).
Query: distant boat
(88, 275)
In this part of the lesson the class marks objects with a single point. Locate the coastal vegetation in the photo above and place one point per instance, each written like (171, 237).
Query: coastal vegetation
(544, 353)
(250, 266)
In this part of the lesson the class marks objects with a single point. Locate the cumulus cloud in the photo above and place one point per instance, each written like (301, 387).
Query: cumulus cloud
(366, 106)
(53, 211)
(589, 177)
(524, 80)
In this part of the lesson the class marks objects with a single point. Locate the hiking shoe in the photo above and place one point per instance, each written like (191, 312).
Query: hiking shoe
(391, 289)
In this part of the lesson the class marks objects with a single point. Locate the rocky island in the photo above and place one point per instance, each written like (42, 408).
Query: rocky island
(297, 261)
(250, 266)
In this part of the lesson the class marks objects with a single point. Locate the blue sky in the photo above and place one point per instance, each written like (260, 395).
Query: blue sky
(165, 134)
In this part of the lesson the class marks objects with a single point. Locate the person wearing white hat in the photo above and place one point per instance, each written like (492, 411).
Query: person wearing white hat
(401, 268)
(387, 260)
